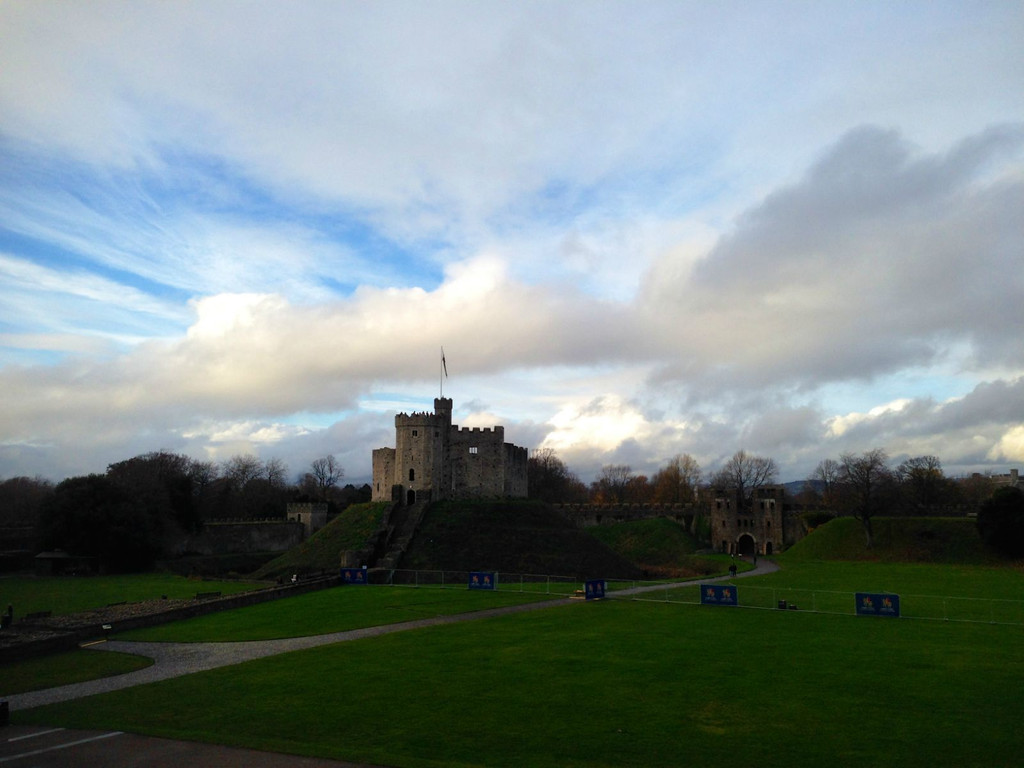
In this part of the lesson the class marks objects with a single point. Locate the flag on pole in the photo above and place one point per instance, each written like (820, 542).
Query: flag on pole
(444, 365)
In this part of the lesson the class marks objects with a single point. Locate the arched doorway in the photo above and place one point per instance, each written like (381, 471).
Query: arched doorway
(768, 548)
(745, 545)
(410, 497)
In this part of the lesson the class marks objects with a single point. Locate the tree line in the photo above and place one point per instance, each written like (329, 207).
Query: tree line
(126, 516)
(862, 485)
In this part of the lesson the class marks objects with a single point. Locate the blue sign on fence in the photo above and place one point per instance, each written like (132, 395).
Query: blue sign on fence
(354, 576)
(717, 594)
(878, 604)
(596, 589)
(483, 580)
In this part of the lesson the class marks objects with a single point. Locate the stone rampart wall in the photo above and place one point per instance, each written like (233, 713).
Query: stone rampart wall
(241, 537)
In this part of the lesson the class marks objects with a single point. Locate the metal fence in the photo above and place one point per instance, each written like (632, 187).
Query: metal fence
(928, 607)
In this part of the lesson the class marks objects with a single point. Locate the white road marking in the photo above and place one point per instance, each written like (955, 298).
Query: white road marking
(33, 735)
(60, 746)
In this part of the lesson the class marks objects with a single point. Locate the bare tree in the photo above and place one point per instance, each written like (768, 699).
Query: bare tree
(866, 482)
(744, 473)
(202, 473)
(241, 469)
(326, 473)
(826, 477)
(275, 472)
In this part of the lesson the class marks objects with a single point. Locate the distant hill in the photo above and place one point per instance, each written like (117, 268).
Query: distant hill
(896, 539)
(512, 537)
(351, 529)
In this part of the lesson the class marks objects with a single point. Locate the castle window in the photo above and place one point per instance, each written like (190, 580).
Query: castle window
(412, 475)
(472, 449)
(415, 433)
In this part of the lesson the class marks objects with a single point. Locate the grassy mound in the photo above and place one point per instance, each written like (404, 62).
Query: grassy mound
(896, 539)
(322, 551)
(513, 537)
(659, 546)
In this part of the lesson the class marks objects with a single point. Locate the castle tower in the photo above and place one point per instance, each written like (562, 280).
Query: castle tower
(433, 459)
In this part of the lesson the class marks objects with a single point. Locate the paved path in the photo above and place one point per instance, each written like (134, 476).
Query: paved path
(177, 659)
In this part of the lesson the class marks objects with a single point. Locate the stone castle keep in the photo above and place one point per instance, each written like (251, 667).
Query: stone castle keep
(434, 459)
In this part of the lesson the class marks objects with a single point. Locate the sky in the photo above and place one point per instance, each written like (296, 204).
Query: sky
(637, 229)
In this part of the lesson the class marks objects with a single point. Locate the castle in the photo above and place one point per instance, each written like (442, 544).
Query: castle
(748, 526)
(434, 459)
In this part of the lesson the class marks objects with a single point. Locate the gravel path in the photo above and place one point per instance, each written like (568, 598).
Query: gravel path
(176, 659)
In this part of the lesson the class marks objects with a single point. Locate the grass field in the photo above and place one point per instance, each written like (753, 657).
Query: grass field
(65, 668)
(614, 683)
(329, 610)
(71, 594)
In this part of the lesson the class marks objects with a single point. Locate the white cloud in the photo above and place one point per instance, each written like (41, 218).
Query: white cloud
(1010, 446)
(839, 425)
(637, 230)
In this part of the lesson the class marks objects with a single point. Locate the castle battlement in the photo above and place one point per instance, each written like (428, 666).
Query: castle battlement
(435, 459)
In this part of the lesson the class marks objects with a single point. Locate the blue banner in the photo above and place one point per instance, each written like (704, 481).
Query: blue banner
(878, 604)
(354, 576)
(718, 594)
(596, 589)
(483, 580)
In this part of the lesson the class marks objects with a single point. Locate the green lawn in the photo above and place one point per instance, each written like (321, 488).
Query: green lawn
(905, 578)
(64, 595)
(946, 592)
(66, 668)
(613, 683)
(330, 610)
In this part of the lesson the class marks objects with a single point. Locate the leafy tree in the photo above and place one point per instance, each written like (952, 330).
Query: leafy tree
(163, 483)
(677, 482)
(975, 491)
(924, 489)
(1001, 522)
(638, 490)
(96, 516)
(866, 487)
(21, 499)
(611, 486)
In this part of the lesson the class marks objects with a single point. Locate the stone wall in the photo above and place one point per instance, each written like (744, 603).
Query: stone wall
(516, 471)
(223, 537)
(383, 473)
(312, 515)
(477, 460)
(754, 524)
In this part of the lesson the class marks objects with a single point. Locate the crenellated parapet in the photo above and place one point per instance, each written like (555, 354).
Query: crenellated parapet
(435, 459)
